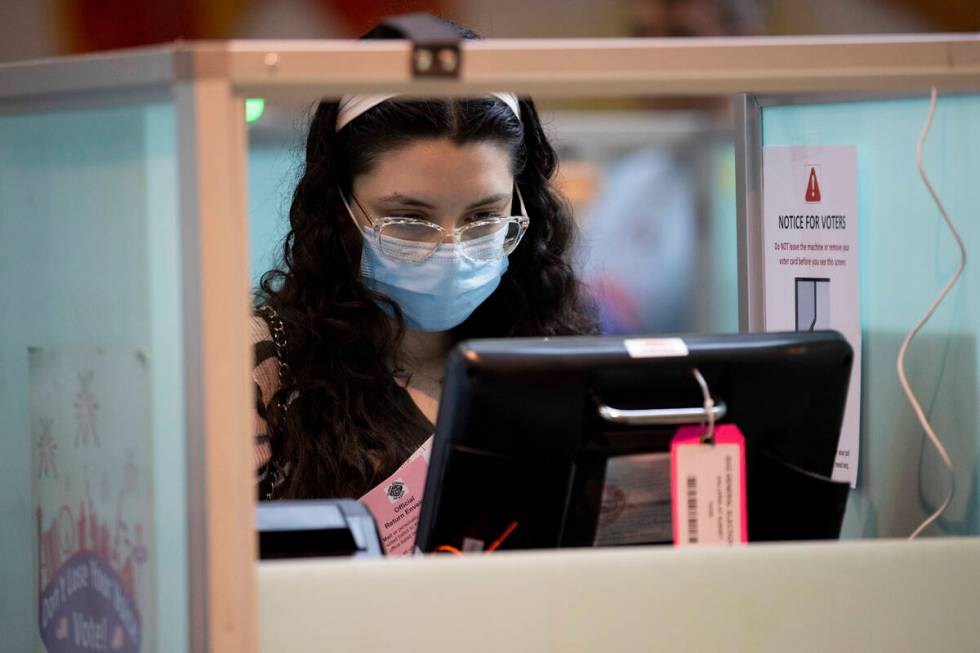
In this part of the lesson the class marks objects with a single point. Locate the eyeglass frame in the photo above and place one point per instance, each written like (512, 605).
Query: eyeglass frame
(522, 220)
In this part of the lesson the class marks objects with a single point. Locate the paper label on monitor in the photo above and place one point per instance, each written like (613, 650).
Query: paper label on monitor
(472, 544)
(396, 503)
(655, 347)
(708, 487)
(635, 507)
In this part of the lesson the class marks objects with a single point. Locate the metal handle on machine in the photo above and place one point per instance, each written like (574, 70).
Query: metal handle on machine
(661, 416)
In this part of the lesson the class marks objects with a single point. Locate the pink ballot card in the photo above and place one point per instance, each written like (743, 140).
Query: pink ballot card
(397, 501)
(708, 487)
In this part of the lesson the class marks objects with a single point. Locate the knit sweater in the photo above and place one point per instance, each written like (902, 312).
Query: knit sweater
(265, 376)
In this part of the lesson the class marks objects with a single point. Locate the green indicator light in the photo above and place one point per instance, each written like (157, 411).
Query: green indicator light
(254, 107)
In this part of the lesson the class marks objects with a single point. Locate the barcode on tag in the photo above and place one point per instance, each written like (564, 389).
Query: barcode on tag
(692, 510)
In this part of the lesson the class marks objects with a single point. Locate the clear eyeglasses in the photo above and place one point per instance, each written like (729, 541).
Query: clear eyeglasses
(413, 240)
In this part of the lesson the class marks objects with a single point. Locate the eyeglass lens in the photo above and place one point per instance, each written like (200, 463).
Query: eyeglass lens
(415, 241)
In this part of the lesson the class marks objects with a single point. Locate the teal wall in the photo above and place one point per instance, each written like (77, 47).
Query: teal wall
(719, 264)
(907, 254)
(273, 170)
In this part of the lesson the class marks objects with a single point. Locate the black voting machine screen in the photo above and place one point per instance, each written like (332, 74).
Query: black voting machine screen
(521, 437)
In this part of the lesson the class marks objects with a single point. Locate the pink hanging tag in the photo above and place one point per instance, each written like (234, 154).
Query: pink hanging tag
(708, 487)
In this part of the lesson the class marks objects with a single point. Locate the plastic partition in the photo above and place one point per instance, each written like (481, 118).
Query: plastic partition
(907, 255)
(124, 356)
(720, 258)
(92, 418)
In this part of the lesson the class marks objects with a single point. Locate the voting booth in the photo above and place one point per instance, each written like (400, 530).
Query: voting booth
(126, 465)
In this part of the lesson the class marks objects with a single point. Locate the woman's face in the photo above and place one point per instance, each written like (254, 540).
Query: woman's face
(438, 181)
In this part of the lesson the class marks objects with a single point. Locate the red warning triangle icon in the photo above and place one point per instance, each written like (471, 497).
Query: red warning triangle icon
(813, 187)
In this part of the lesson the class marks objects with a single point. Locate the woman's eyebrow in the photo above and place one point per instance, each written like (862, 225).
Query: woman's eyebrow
(490, 199)
(405, 200)
(398, 198)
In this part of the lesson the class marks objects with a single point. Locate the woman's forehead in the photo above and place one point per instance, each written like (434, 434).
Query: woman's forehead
(438, 170)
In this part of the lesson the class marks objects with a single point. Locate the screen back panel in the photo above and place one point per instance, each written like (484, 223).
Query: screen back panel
(520, 438)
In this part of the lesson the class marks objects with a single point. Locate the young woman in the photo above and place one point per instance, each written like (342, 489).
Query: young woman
(415, 225)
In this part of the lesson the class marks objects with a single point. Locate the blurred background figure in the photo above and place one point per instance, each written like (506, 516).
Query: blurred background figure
(658, 18)
(659, 239)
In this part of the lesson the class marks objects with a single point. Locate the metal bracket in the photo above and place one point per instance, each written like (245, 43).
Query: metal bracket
(435, 46)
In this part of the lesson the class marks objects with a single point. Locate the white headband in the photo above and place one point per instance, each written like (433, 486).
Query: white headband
(351, 106)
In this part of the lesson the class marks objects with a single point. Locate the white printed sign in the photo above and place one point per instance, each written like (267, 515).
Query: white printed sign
(812, 282)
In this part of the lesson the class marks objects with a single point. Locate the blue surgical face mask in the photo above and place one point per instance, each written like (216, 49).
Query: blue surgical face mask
(436, 294)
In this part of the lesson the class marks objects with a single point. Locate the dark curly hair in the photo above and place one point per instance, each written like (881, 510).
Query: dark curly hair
(349, 424)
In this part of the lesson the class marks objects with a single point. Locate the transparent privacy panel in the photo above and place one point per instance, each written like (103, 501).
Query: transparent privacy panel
(92, 426)
(652, 190)
(907, 255)
(652, 185)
